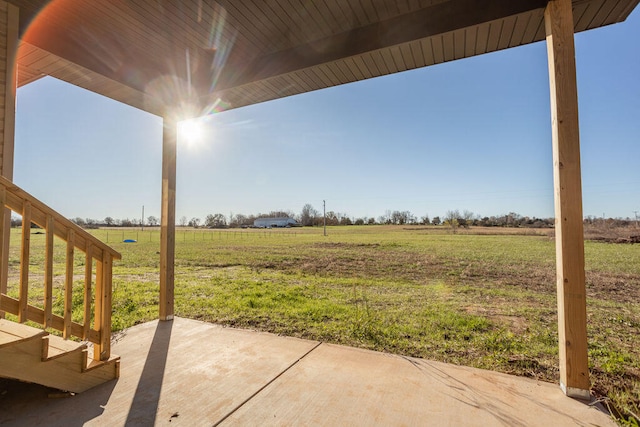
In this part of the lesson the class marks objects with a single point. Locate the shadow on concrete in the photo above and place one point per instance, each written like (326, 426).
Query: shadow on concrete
(17, 400)
(144, 406)
(475, 397)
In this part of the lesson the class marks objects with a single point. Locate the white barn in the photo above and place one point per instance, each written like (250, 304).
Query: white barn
(275, 222)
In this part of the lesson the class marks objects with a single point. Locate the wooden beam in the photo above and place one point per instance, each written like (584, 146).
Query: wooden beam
(7, 133)
(9, 102)
(168, 218)
(572, 309)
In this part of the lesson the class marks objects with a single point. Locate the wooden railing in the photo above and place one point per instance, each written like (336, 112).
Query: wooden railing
(54, 224)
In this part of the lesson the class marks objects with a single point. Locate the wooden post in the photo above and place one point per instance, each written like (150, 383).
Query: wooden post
(8, 53)
(168, 218)
(572, 308)
(102, 311)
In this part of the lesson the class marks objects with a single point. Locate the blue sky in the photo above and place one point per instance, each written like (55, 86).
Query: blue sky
(471, 134)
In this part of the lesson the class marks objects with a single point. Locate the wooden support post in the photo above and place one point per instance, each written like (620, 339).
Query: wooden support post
(572, 309)
(168, 218)
(4, 268)
(103, 305)
(8, 53)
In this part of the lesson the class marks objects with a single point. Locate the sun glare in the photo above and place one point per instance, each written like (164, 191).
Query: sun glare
(191, 132)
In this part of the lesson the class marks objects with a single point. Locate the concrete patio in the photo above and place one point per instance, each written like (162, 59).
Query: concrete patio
(191, 373)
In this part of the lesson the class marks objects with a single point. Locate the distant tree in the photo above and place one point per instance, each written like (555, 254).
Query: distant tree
(126, 223)
(513, 219)
(194, 222)
(466, 218)
(242, 221)
(183, 221)
(79, 221)
(108, 221)
(16, 221)
(425, 220)
(371, 221)
(215, 221)
(451, 219)
(152, 221)
(308, 215)
(280, 214)
(397, 218)
(359, 221)
(345, 220)
(436, 220)
(386, 218)
(401, 218)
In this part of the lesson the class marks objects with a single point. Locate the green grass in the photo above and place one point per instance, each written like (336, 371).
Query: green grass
(487, 301)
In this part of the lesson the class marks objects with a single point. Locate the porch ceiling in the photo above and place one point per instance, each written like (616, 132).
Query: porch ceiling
(196, 56)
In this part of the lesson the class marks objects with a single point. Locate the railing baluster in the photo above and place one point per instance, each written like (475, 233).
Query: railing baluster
(24, 262)
(88, 277)
(98, 310)
(48, 271)
(68, 285)
(107, 290)
(14, 199)
(4, 256)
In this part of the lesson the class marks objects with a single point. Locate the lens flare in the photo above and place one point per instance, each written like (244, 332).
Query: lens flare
(191, 132)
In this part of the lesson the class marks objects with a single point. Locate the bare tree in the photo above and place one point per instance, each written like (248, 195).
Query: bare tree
(308, 215)
(183, 221)
(451, 219)
(466, 219)
(215, 221)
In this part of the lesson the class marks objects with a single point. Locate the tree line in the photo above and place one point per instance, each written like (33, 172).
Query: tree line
(310, 217)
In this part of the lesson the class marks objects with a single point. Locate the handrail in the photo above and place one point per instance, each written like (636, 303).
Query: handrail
(76, 238)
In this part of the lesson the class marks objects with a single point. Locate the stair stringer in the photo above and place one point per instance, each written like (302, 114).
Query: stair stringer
(27, 359)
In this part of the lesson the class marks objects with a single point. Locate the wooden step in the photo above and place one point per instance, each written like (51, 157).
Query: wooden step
(12, 332)
(31, 355)
(54, 347)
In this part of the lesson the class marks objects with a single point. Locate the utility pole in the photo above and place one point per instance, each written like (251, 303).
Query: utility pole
(142, 219)
(324, 216)
(636, 214)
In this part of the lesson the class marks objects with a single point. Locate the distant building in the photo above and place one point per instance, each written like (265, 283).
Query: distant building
(275, 222)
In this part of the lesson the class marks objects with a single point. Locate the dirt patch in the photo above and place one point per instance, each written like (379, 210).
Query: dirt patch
(338, 245)
(614, 287)
(516, 324)
(368, 261)
(612, 234)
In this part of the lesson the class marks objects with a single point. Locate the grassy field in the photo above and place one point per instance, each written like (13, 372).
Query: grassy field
(472, 298)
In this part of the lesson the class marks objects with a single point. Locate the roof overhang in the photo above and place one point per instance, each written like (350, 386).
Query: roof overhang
(193, 57)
